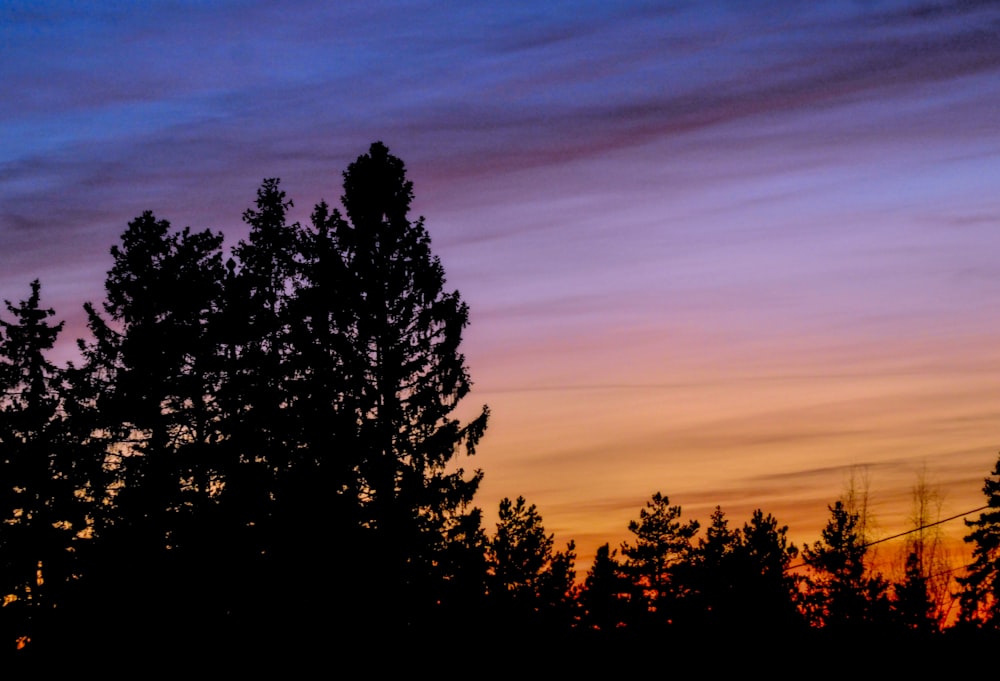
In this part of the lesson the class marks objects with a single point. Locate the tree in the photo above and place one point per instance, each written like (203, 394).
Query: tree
(249, 416)
(162, 291)
(736, 580)
(711, 575)
(843, 595)
(397, 334)
(605, 592)
(519, 551)
(980, 586)
(148, 391)
(662, 542)
(274, 502)
(771, 592)
(40, 513)
(526, 577)
(912, 604)
(923, 595)
(260, 291)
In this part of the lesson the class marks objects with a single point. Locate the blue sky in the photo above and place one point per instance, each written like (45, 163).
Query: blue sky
(722, 250)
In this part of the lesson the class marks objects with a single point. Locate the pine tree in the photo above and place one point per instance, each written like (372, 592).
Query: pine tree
(271, 519)
(605, 592)
(770, 592)
(265, 274)
(843, 594)
(662, 542)
(529, 584)
(518, 553)
(252, 417)
(396, 334)
(912, 605)
(148, 387)
(711, 577)
(980, 595)
(40, 512)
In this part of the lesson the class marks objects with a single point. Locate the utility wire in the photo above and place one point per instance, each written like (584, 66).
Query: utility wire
(924, 527)
(903, 534)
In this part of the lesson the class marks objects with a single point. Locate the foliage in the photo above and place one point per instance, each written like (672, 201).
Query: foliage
(980, 586)
(842, 593)
(256, 444)
(146, 408)
(40, 513)
(662, 542)
(737, 580)
(397, 334)
(603, 598)
(244, 416)
(772, 591)
(525, 575)
(912, 604)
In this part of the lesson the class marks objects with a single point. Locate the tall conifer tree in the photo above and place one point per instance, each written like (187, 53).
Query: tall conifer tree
(980, 595)
(40, 515)
(152, 375)
(397, 337)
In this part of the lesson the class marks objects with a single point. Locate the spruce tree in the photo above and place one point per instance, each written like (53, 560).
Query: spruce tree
(771, 591)
(261, 410)
(605, 592)
(844, 595)
(912, 606)
(150, 378)
(254, 418)
(40, 513)
(980, 595)
(399, 375)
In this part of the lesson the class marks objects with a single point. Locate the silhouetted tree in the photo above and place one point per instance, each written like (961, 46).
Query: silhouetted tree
(519, 552)
(396, 334)
(843, 596)
(605, 593)
(40, 513)
(912, 604)
(526, 578)
(662, 542)
(980, 594)
(736, 580)
(151, 375)
(462, 565)
(260, 405)
(241, 422)
(922, 597)
(560, 591)
(274, 503)
(711, 575)
(771, 593)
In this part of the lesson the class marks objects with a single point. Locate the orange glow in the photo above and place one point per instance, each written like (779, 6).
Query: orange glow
(779, 426)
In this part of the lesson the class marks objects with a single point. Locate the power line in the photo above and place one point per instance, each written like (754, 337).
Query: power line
(903, 534)
(924, 527)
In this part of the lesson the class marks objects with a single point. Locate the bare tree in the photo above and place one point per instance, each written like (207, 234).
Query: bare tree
(856, 501)
(924, 592)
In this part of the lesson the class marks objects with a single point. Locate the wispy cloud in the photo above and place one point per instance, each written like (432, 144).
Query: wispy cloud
(696, 240)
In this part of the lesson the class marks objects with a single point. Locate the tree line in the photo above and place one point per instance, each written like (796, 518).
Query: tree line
(256, 445)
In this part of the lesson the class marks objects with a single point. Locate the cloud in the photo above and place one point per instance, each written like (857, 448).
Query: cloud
(635, 197)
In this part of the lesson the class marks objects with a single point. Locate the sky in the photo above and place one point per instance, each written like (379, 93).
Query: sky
(741, 253)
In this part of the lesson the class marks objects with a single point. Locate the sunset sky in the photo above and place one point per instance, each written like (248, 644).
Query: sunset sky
(726, 251)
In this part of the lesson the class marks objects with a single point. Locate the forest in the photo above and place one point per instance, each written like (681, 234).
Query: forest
(257, 451)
